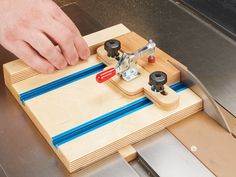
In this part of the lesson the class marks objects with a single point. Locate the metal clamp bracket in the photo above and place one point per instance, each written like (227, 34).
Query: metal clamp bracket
(127, 62)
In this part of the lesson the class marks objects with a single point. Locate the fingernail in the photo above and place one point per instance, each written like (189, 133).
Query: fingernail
(63, 65)
(50, 70)
(85, 54)
(74, 62)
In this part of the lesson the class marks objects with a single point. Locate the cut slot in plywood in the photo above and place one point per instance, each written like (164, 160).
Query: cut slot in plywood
(65, 109)
(166, 100)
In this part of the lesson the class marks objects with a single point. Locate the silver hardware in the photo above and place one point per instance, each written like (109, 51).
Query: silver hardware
(193, 148)
(127, 65)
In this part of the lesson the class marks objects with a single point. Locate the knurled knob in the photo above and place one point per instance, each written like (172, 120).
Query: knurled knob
(112, 47)
(157, 80)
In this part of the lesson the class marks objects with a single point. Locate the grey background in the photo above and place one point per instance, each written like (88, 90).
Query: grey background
(207, 52)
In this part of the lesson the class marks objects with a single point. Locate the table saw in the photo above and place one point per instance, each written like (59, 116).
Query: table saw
(135, 142)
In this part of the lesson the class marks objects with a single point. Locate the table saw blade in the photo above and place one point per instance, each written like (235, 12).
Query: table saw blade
(209, 104)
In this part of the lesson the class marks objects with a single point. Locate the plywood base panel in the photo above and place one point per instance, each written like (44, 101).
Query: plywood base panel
(81, 101)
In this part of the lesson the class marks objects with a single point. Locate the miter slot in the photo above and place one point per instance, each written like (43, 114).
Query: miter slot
(142, 168)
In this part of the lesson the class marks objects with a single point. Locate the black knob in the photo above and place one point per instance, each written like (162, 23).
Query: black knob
(157, 80)
(112, 47)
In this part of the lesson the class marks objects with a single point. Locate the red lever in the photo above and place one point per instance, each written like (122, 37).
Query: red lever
(105, 75)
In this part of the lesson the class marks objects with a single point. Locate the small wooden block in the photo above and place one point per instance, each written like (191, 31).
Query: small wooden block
(16, 71)
(168, 101)
(128, 153)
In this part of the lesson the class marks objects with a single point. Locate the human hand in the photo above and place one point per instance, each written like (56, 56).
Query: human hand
(41, 34)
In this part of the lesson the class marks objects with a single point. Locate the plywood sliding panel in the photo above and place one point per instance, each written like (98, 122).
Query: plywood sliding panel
(71, 105)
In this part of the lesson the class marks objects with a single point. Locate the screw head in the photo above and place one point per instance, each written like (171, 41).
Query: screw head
(193, 148)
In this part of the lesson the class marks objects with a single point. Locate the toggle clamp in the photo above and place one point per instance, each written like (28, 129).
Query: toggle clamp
(127, 62)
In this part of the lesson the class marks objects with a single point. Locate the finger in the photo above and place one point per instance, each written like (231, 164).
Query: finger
(40, 42)
(65, 39)
(80, 44)
(25, 52)
(82, 47)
